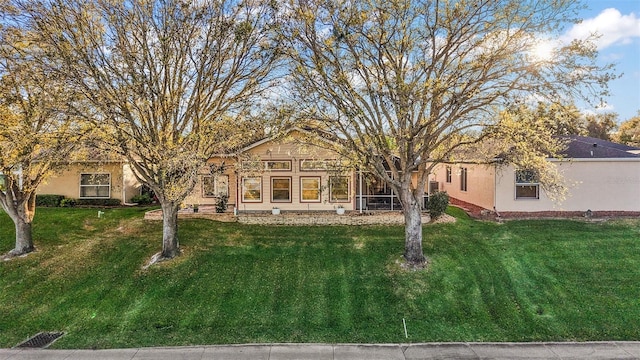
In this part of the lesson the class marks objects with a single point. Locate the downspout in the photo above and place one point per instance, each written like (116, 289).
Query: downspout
(124, 191)
(360, 188)
(495, 188)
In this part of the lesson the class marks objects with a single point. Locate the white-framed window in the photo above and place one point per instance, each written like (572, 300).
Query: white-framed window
(280, 189)
(310, 189)
(448, 174)
(339, 188)
(527, 185)
(95, 186)
(252, 189)
(214, 186)
(463, 179)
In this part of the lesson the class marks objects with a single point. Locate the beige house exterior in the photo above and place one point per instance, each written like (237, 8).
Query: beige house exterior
(286, 173)
(601, 177)
(94, 180)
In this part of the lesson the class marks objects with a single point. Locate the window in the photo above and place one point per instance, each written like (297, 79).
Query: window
(338, 188)
(257, 165)
(527, 185)
(252, 189)
(278, 165)
(321, 165)
(280, 189)
(95, 186)
(252, 165)
(463, 179)
(310, 189)
(214, 186)
(311, 165)
(448, 175)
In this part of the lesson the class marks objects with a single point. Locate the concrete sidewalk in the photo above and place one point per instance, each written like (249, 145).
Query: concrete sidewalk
(590, 350)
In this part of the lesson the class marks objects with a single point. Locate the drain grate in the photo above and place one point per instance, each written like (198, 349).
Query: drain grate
(40, 340)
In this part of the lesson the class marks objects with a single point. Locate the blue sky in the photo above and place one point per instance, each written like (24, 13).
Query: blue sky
(618, 21)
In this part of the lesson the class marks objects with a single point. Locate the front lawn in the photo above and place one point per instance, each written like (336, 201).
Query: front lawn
(519, 281)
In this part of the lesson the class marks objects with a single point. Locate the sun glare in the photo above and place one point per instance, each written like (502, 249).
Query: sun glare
(542, 51)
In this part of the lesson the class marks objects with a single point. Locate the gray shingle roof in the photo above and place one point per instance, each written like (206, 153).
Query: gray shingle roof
(583, 147)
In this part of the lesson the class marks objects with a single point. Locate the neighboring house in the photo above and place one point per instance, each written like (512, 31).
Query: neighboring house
(293, 174)
(287, 172)
(100, 179)
(601, 176)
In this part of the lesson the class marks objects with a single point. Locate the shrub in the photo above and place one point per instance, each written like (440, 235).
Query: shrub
(437, 204)
(144, 199)
(66, 202)
(221, 203)
(49, 200)
(98, 202)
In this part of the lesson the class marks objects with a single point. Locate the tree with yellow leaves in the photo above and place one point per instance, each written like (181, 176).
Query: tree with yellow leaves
(38, 131)
(404, 83)
(629, 131)
(164, 77)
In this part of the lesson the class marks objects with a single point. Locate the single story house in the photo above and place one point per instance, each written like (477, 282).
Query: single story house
(94, 179)
(603, 178)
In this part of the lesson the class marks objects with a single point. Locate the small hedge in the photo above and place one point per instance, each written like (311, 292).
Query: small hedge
(61, 201)
(97, 202)
(437, 204)
(49, 200)
(143, 199)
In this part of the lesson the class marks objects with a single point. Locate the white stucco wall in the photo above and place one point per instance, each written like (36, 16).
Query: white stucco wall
(594, 184)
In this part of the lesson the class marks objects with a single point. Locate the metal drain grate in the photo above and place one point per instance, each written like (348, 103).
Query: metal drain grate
(40, 340)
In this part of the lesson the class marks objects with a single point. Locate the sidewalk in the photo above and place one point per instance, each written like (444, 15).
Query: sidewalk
(590, 350)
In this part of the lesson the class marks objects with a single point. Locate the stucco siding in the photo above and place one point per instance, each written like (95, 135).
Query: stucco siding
(597, 185)
(480, 183)
(67, 182)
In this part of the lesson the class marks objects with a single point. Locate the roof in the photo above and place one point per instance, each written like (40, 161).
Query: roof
(583, 147)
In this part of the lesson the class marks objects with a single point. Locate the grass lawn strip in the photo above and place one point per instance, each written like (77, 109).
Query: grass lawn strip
(544, 280)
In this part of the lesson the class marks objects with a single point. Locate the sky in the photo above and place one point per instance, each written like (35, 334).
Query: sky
(618, 21)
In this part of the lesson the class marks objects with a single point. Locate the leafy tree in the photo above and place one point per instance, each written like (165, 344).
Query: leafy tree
(37, 129)
(561, 119)
(601, 125)
(425, 74)
(163, 77)
(629, 132)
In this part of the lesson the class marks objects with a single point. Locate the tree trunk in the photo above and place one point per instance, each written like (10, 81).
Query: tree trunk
(412, 229)
(170, 245)
(23, 218)
(24, 238)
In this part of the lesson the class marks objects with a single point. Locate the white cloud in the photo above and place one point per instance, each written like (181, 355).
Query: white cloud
(611, 25)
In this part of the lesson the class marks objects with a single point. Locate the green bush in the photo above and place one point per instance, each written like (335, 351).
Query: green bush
(437, 204)
(143, 199)
(98, 202)
(66, 202)
(49, 200)
(221, 203)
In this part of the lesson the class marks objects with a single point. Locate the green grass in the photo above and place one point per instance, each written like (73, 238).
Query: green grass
(519, 281)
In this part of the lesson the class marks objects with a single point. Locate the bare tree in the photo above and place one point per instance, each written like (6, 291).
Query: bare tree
(164, 77)
(37, 130)
(404, 83)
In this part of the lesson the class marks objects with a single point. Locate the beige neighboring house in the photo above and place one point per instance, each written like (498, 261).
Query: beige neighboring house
(104, 179)
(286, 172)
(602, 177)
